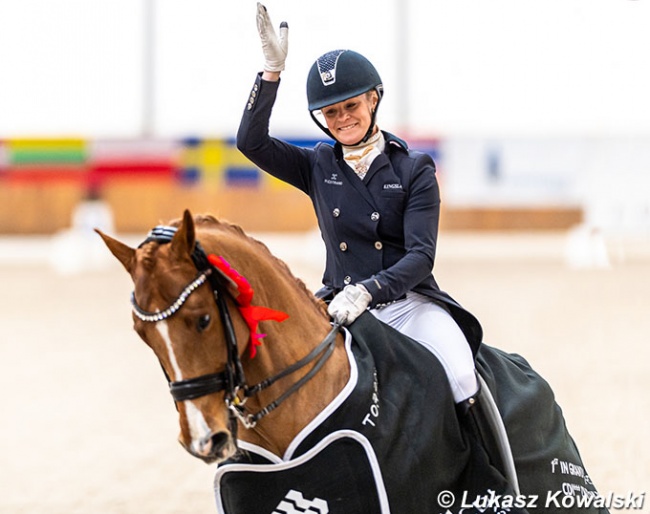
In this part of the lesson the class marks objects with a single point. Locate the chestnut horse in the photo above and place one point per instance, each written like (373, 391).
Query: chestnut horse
(195, 283)
(191, 343)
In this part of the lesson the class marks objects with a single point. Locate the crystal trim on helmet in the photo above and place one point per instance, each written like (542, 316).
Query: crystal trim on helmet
(327, 66)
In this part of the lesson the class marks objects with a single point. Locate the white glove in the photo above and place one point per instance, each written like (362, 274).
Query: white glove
(275, 48)
(349, 304)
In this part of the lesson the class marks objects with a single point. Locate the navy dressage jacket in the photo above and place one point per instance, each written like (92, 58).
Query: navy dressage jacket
(381, 231)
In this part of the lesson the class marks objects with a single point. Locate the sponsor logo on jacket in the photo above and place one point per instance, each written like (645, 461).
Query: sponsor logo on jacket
(334, 180)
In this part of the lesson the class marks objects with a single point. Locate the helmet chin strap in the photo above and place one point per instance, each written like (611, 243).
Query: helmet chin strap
(371, 129)
(321, 126)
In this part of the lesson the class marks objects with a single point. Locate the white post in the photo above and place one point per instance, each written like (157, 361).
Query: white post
(148, 68)
(402, 94)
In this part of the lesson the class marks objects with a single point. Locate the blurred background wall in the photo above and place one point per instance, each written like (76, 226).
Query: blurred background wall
(119, 114)
(537, 113)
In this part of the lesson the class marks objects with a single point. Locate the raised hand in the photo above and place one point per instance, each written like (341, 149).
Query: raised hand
(275, 48)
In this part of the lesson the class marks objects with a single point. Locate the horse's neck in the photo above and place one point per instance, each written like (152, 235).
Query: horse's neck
(284, 344)
(276, 431)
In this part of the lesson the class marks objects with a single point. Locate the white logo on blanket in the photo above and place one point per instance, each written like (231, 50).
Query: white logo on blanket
(295, 503)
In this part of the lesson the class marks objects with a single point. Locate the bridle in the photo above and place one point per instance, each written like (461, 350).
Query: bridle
(232, 379)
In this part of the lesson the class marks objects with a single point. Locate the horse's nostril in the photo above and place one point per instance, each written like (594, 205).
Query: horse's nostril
(219, 440)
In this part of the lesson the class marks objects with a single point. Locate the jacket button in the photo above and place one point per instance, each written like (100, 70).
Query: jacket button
(374, 216)
(336, 212)
(378, 245)
(343, 246)
(347, 280)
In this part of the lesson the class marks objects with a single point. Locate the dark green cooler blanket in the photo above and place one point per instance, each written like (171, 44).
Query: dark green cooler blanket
(392, 442)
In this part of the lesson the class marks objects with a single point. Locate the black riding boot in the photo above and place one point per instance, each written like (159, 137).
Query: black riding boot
(472, 413)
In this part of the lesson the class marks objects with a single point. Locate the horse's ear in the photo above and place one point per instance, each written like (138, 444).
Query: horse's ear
(125, 254)
(185, 238)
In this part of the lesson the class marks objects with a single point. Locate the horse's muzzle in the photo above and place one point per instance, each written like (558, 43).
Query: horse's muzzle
(215, 447)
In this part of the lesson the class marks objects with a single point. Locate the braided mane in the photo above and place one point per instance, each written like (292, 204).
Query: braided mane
(210, 222)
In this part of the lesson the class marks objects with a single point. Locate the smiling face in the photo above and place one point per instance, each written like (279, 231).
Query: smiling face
(348, 121)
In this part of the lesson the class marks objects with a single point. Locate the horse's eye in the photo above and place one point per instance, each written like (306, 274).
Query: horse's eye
(203, 322)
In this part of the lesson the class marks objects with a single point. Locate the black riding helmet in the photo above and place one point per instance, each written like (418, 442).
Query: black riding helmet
(337, 76)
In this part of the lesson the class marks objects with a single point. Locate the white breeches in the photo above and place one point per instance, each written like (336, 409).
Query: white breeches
(433, 327)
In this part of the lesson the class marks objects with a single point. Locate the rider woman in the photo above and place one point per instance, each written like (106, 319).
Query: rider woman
(377, 204)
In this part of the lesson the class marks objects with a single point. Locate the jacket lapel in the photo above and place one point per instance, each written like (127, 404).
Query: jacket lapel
(358, 184)
(380, 161)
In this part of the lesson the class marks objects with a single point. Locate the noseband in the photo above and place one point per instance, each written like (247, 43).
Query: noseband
(232, 379)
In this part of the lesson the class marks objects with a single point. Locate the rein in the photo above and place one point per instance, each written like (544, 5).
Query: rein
(232, 380)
